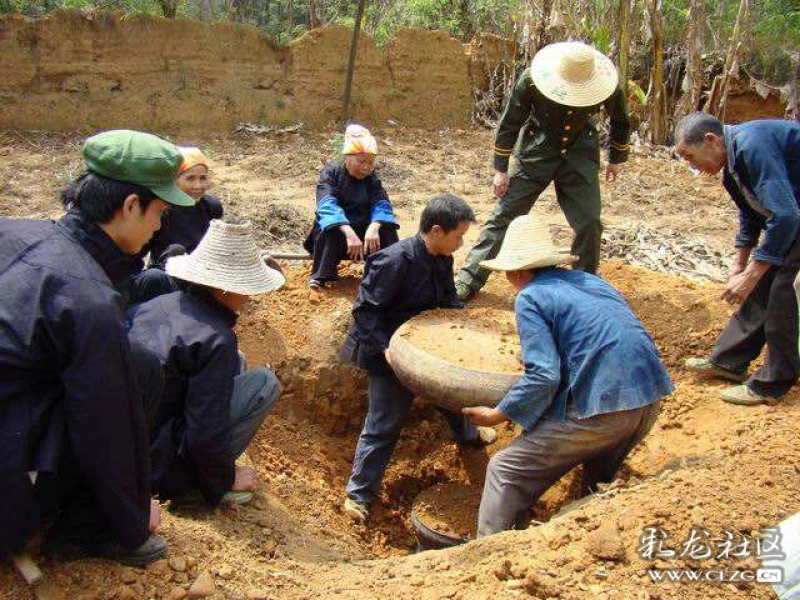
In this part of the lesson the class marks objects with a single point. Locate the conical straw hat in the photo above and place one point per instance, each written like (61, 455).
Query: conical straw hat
(574, 74)
(528, 245)
(228, 259)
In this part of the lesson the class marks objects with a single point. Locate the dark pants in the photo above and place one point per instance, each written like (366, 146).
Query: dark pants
(149, 284)
(329, 247)
(578, 194)
(768, 317)
(65, 496)
(254, 394)
(389, 405)
(520, 473)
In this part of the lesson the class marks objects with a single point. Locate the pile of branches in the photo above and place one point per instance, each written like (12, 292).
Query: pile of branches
(489, 103)
(666, 252)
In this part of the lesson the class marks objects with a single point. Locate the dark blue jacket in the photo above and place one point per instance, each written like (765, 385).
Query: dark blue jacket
(184, 225)
(193, 337)
(763, 178)
(399, 283)
(583, 348)
(66, 367)
(345, 200)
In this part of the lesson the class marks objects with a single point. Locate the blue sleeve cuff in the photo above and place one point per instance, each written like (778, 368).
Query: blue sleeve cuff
(330, 213)
(382, 212)
(522, 407)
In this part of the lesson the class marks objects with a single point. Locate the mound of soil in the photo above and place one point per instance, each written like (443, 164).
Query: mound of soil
(479, 339)
(450, 509)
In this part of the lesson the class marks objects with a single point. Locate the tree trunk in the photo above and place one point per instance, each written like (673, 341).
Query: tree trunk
(205, 10)
(657, 95)
(624, 41)
(692, 85)
(718, 108)
(313, 19)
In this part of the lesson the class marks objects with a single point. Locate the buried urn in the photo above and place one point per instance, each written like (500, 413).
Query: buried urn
(457, 358)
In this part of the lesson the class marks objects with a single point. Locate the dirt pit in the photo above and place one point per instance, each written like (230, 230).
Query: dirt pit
(449, 509)
(476, 339)
(293, 542)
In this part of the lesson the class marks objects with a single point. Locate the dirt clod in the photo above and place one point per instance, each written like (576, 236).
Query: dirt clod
(203, 586)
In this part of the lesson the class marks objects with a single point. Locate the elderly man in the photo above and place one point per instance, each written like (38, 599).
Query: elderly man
(592, 384)
(75, 396)
(553, 103)
(760, 161)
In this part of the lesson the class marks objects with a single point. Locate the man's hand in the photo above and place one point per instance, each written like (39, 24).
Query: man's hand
(246, 480)
(500, 184)
(155, 515)
(612, 172)
(741, 285)
(740, 262)
(483, 415)
(372, 240)
(355, 247)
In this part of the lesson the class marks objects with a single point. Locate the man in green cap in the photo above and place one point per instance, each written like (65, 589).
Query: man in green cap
(76, 396)
(552, 104)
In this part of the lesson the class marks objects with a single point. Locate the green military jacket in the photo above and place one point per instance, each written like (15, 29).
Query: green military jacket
(551, 129)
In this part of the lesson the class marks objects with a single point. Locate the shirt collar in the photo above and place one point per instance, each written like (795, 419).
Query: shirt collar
(727, 135)
(116, 264)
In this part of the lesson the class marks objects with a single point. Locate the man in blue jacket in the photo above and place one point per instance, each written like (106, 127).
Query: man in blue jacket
(592, 384)
(75, 396)
(760, 161)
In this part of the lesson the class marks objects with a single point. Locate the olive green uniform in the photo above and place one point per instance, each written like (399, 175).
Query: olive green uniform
(558, 143)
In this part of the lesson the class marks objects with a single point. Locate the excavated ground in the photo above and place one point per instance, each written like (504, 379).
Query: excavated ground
(706, 464)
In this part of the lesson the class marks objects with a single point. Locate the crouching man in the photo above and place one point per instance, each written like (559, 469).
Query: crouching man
(210, 410)
(400, 282)
(75, 395)
(592, 384)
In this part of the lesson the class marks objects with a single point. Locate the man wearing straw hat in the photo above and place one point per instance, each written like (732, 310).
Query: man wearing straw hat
(209, 410)
(553, 103)
(75, 394)
(592, 384)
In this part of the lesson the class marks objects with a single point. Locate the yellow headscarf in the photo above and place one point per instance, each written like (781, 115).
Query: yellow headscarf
(191, 158)
(358, 140)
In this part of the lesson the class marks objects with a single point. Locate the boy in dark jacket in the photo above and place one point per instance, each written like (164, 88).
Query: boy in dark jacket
(399, 283)
(75, 396)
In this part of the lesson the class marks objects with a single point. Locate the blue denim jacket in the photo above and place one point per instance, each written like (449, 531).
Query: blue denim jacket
(763, 178)
(583, 348)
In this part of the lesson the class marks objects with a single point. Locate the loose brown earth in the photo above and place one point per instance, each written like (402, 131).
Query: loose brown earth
(706, 464)
(454, 336)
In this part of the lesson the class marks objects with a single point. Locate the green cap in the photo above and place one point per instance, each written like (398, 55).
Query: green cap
(140, 158)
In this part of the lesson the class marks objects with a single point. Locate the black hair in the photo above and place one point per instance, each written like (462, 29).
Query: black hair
(98, 197)
(692, 128)
(447, 211)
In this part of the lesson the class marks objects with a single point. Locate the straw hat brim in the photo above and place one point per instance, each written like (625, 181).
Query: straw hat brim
(598, 88)
(514, 263)
(248, 279)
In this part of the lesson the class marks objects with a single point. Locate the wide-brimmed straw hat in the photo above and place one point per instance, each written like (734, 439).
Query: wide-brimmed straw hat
(574, 74)
(528, 245)
(228, 259)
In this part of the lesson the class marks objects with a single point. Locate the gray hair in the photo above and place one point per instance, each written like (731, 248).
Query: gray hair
(692, 128)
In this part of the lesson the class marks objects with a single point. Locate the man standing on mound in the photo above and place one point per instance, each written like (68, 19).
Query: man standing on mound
(760, 161)
(553, 103)
(399, 283)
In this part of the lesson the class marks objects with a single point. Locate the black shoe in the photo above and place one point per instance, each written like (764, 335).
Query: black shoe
(61, 548)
